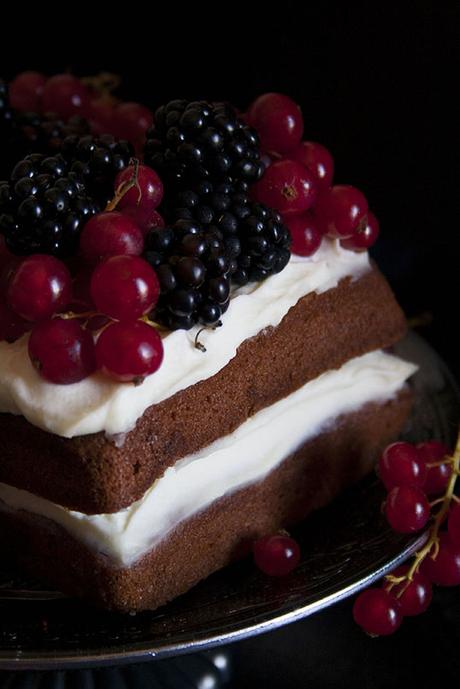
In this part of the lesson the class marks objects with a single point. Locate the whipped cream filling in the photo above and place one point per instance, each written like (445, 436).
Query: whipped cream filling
(99, 404)
(245, 456)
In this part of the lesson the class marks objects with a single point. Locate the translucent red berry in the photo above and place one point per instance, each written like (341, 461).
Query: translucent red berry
(407, 509)
(377, 612)
(132, 121)
(65, 95)
(101, 116)
(129, 351)
(61, 351)
(306, 238)
(453, 525)
(340, 210)
(40, 287)
(26, 91)
(416, 595)
(400, 465)
(278, 121)
(146, 221)
(318, 160)
(438, 477)
(124, 287)
(444, 570)
(143, 198)
(110, 234)
(286, 186)
(364, 236)
(276, 555)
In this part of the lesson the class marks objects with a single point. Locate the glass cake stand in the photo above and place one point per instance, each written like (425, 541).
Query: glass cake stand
(345, 547)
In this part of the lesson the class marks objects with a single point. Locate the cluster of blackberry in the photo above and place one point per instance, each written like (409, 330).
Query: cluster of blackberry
(216, 235)
(48, 199)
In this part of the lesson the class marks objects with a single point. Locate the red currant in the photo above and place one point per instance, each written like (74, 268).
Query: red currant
(12, 326)
(145, 221)
(129, 351)
(437, 477)
(453, 525)
(40, 287)
(61, 351)
(417, 594)
(66, 96)
(407, 509)
(110, 234)
(287, 186)
(132, 121)
(444, 570)
(278, 122)
(124, 287)
(306, 238)
(101, 113)
(364, 236)
(26, 91)
(276, 555)
(340, 210)
(146, 195)
(400, 465)
(318, 160)
(377, 612)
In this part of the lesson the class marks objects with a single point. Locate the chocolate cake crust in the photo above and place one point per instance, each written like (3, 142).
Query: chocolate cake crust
(92, 474)
(310, 478)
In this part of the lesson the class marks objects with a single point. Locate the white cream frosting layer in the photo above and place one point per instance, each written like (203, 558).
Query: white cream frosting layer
(98, 404)
(256, 448)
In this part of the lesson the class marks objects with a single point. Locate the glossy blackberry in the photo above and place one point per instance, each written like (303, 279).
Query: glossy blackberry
(200, 140)
(44, 206)
(97, 161)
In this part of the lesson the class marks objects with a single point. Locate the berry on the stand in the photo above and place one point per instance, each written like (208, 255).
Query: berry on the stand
(131, 122)
(287, 186)
(141, 200)
(276, 555)
(62, 351)
(65, 95)
(407, 509)
(340, 210)
(124, 287)
(40, 287)
(318, 160)
(306, 238)
(110, 234)
(128, 352)
(400, 465)
(444, 570)
(414, 597)
(364, 236)
(26, 91)
(377, 612)
(434, 452)
(278, 121)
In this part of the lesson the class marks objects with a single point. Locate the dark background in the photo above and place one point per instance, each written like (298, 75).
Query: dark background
(370, 78)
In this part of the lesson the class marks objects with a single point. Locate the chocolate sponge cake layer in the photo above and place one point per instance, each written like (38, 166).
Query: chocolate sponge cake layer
(92, 474)
(308, 479)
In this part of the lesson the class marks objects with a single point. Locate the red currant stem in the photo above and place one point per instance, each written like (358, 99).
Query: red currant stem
(446, 460)
(71, 314)
(153, 324)
(456, 499)
(432, 543)
(125, 187)
(103, 83)
(436, 502)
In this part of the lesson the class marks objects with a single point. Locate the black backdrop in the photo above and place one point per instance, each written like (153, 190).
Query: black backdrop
(369, 77)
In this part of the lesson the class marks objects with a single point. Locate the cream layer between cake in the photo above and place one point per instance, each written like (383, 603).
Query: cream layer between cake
(242, 458)
(99, 404)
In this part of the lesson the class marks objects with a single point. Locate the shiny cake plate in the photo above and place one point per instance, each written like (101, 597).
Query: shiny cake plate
(345, 547)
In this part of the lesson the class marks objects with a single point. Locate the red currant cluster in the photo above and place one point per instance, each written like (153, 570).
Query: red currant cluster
(411, 474)
(107, 293)
(297, 182)
(66, 95)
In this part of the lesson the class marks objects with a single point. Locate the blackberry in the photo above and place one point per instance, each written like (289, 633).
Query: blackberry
(44, 206)
(200, 140)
